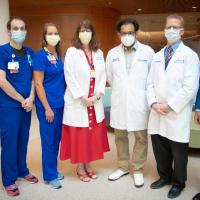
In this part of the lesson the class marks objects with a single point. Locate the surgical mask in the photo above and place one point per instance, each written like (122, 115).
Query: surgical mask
(52, 39)
(127, 40)
(172, 35)
(18, 36)
(85, 37)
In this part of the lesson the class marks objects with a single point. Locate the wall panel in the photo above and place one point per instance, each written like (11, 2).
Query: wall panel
(67, 18)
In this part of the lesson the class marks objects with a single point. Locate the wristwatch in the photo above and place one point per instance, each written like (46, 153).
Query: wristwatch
(98, 98)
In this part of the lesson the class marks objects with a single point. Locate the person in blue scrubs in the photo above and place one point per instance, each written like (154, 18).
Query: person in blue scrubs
(16, 101)
(50, 87)
(197, 121)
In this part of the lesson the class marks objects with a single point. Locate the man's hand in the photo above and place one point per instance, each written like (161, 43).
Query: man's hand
(164, 107)
(158, 108)
(197, 117)
(27, 104)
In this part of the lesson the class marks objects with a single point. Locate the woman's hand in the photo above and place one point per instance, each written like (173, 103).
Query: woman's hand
(88, 101)
(49, 115)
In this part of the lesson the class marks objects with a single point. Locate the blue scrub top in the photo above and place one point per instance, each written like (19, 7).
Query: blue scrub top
(21, 81)
(54, 81)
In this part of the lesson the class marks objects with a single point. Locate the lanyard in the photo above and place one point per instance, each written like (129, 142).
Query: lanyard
(49, 53)
(26, 53)
(88, 60)
(51, 57)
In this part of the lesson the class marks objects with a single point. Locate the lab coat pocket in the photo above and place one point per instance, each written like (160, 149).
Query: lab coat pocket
(142, 68)
(177, 73)
(117, 69)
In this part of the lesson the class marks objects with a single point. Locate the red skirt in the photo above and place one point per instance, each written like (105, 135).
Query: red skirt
(83, 145)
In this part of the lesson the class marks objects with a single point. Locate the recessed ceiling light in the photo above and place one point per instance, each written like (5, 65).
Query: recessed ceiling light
(139, 9)
(194, 7)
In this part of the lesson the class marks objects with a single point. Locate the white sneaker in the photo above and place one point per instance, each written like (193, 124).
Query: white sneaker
(117, 174)
(138, 179)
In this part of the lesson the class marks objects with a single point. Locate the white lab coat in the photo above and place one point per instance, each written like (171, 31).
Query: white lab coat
(177, 85)
(129, 108)
(77, 76)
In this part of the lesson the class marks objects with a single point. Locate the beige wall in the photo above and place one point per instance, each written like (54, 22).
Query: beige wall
(152, 25)
(4, 10)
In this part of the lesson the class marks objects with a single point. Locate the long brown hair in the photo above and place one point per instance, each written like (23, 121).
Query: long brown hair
(94, 44)
(44, 42)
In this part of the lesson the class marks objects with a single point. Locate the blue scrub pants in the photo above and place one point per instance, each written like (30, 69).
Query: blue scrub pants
(50, 134)
(14, 131)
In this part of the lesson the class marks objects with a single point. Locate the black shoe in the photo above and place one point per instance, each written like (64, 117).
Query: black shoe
(175, 191)
(159, 184)
(196, 197)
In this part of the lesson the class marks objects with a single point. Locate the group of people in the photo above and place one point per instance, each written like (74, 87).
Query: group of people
(151, 92)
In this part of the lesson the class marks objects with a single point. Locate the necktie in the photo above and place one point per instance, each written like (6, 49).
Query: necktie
(168, 56)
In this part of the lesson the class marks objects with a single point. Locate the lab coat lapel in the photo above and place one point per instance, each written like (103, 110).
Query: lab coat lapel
(174, 57)
(82, 55)
(121, 56)
(136, 56)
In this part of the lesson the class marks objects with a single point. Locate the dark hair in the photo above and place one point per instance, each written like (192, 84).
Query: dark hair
(12, 19)
(126, 21)
(44, 42)
(94, 44)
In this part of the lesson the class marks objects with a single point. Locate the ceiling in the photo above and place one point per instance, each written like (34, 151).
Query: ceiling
(125, 7)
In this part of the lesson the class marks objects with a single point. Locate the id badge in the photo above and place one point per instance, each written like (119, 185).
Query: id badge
(13, 67)
(52, 59)
(92, 73)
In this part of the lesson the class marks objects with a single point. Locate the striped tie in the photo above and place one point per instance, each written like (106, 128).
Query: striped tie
(168, 56)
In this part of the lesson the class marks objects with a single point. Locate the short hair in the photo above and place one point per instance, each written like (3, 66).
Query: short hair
(12, 19)
(126, 21)
(176, 16)
(44, 42)
(94, 44)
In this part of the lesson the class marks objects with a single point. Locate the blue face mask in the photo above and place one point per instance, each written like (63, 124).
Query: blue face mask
(18, 36)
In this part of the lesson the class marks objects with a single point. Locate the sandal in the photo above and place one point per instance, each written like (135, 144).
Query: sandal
(83, 177)
(31, 179)
(12, 190)
(92, 174)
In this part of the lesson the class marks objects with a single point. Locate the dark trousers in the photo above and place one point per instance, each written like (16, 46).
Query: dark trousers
(171, 158)
(14, 132)
(50, 134)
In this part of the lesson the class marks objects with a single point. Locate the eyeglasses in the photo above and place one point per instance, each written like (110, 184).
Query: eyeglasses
(127, 33)
(15, 28)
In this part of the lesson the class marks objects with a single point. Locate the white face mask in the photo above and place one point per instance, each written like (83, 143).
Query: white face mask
(53, 39)
(85, 37)
(127, 40)
(172, 35)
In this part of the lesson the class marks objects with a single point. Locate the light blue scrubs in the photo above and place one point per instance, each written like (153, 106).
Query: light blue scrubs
(14, 120)
(54, 85)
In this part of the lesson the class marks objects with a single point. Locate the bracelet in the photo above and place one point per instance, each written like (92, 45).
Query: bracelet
(98, 98)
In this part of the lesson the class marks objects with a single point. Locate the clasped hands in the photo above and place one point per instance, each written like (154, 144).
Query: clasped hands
(27, 104)
(88, 101)
(161, 108)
